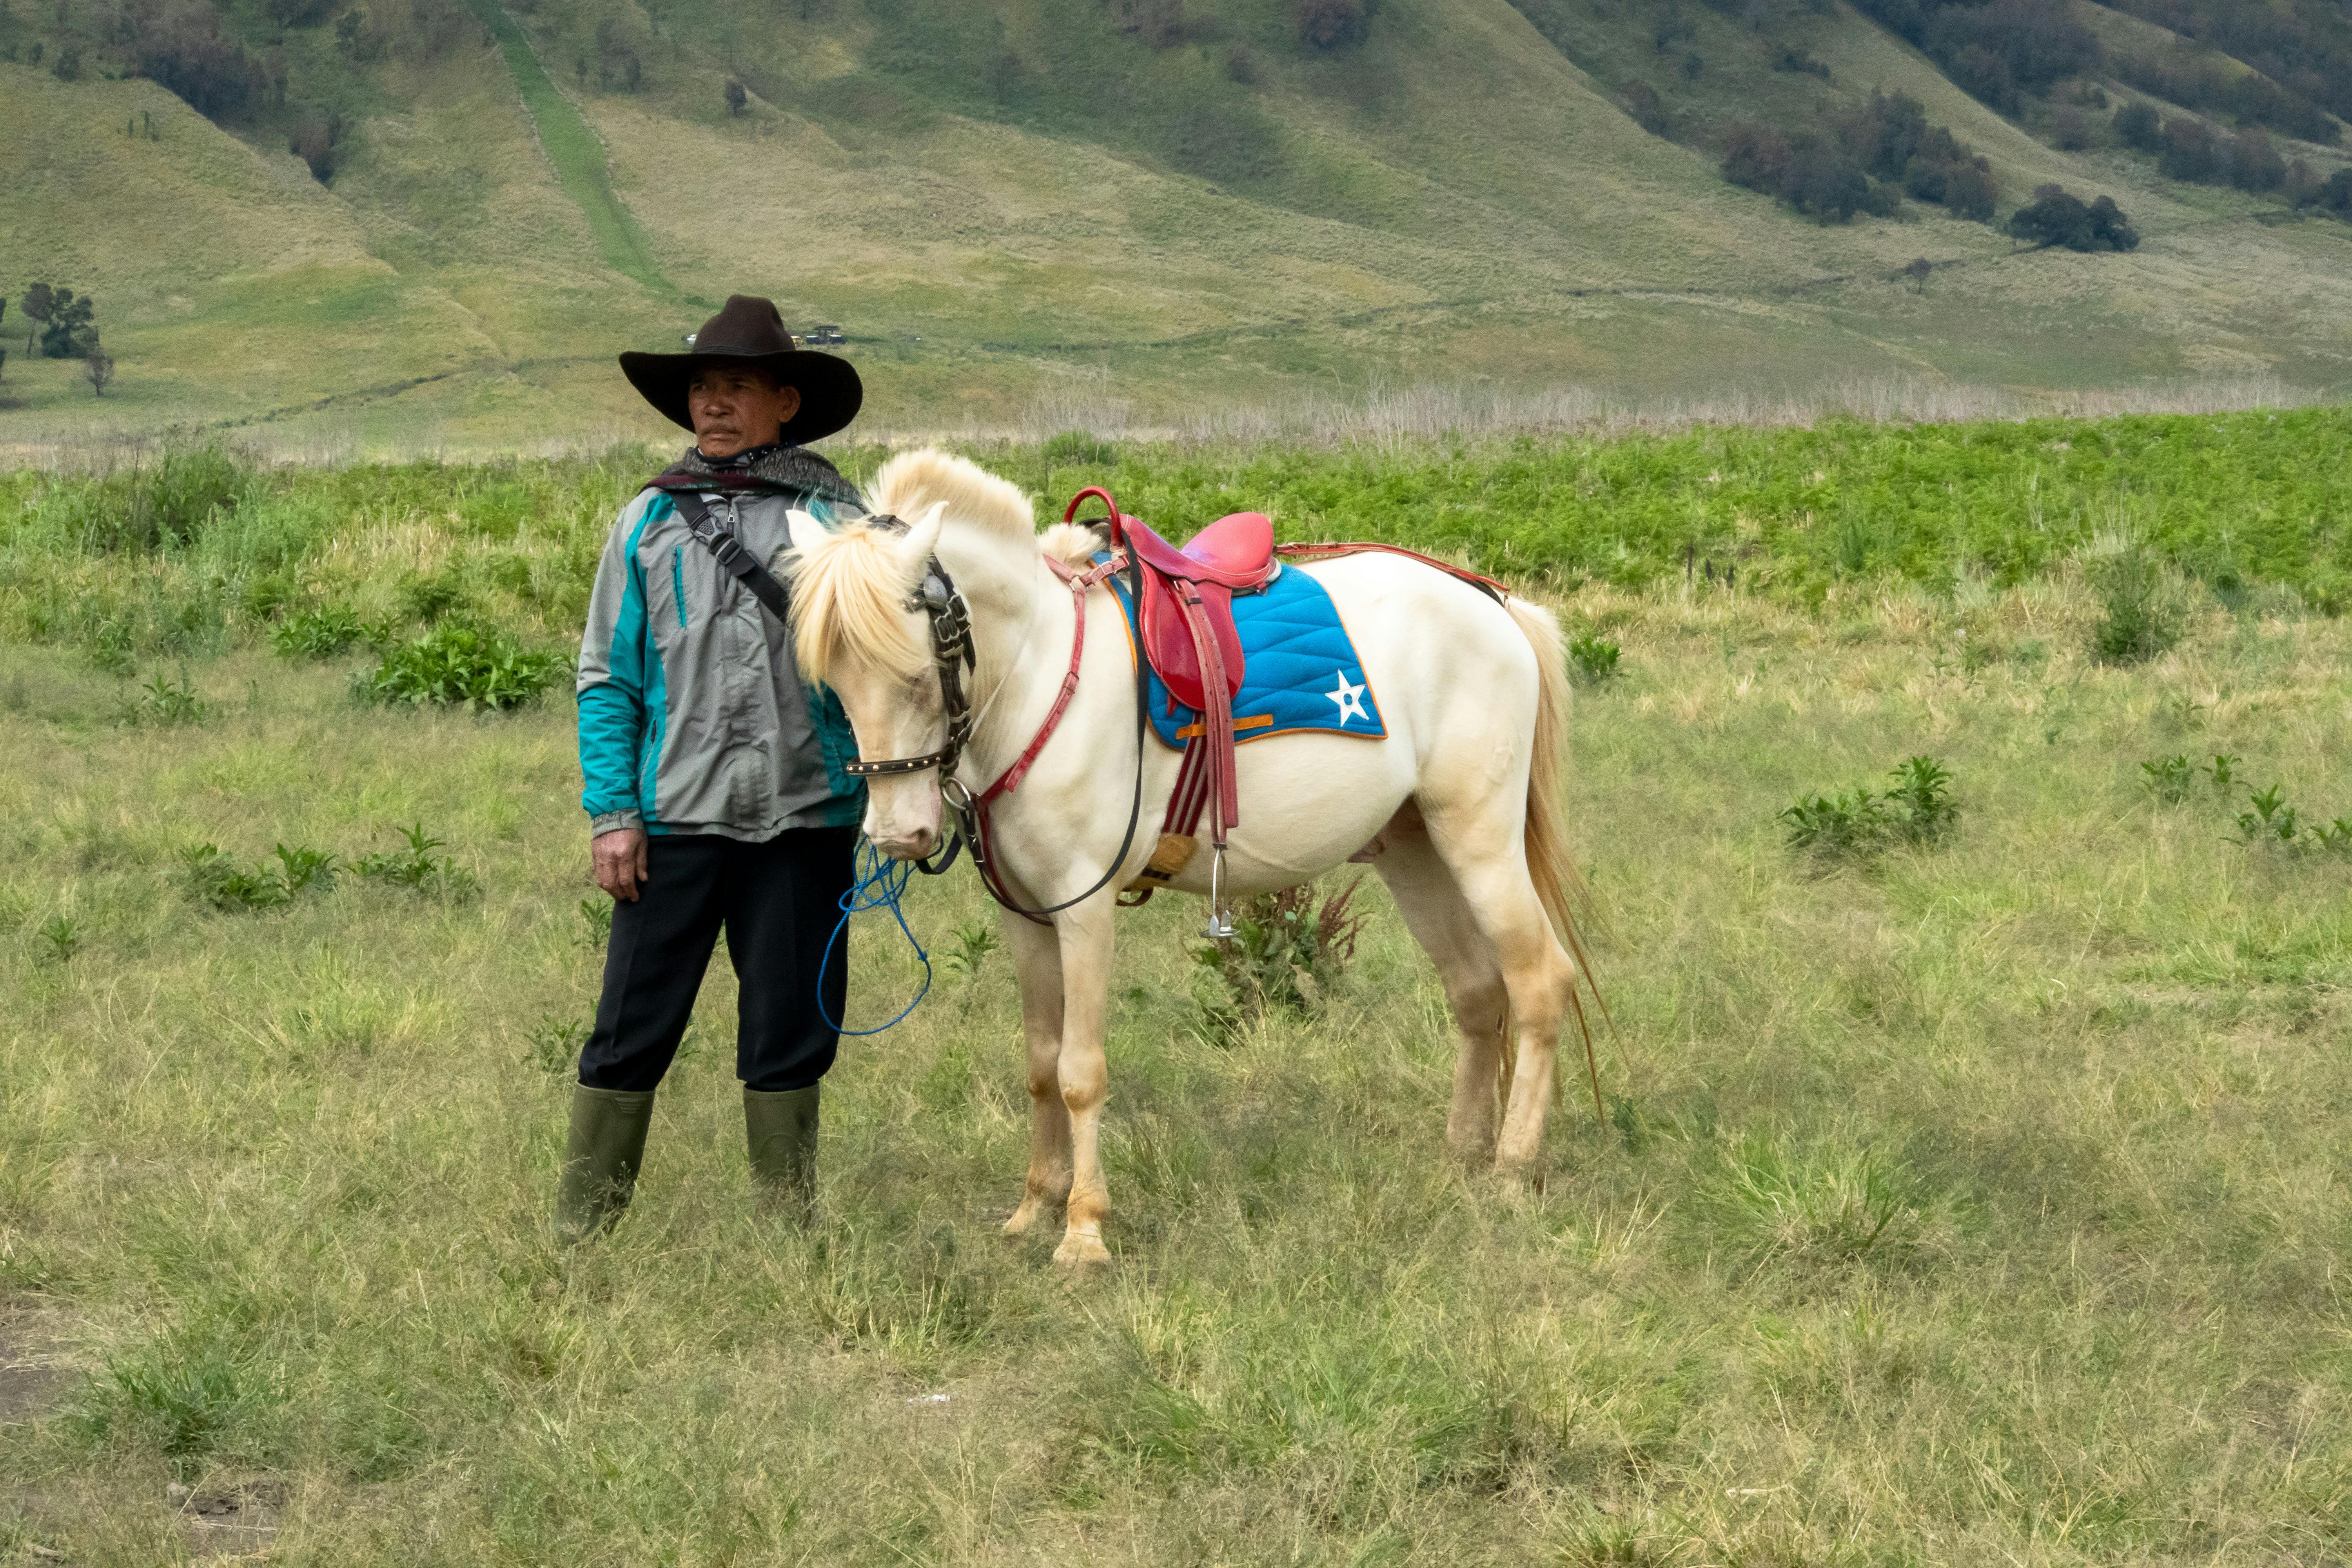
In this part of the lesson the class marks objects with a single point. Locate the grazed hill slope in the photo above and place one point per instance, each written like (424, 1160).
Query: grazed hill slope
(1186, 201)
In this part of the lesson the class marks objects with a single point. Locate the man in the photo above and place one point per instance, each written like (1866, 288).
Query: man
(716, 793)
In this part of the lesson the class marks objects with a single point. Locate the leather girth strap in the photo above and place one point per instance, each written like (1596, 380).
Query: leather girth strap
(719, 539)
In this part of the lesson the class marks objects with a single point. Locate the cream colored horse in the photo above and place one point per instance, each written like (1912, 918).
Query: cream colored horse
(1457, 809)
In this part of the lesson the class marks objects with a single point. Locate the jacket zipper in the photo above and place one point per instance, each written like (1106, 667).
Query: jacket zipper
(678, 581)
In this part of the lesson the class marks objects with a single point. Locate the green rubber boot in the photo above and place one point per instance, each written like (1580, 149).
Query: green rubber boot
(599, 1158)
(781, 1130)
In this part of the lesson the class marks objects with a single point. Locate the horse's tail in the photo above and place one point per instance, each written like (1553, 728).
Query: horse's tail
(1551, 863)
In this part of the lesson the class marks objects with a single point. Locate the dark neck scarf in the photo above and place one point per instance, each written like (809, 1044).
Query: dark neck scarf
(772, 469)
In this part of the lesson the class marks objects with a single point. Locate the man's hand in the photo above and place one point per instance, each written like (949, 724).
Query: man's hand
(620, 857)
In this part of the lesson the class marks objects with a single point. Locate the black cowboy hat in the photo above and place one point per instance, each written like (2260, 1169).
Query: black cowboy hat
(750, 331)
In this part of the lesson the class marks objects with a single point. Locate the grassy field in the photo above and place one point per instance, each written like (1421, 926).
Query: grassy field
(1977, 1203)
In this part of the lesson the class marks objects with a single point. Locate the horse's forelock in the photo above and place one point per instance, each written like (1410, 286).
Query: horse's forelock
(849, 597)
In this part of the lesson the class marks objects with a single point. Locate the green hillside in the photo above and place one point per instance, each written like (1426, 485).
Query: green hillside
(418, 221)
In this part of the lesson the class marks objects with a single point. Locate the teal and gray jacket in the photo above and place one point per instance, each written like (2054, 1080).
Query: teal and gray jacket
(693, 718)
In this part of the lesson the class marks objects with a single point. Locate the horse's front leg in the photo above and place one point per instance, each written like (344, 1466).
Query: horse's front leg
(1085, 948)
(1037, 961)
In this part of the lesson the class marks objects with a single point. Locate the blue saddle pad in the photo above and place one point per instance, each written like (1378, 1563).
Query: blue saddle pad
(1300, 668)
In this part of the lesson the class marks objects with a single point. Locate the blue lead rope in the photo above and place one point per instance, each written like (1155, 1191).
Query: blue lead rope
(881, 881)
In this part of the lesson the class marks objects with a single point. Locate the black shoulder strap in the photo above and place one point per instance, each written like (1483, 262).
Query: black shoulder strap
(721, 540)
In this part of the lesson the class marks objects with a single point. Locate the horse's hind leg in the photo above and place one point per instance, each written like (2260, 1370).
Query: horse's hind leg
(1037, 960)
(1484, 850)
(1433, 910)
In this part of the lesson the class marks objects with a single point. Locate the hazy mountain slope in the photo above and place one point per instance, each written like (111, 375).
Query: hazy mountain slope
(992, 195)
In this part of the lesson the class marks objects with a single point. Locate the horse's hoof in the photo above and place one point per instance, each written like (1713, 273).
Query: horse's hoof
(1471, 1153)
(1081, 1251)
(1024, 1217)
(1519, 1176)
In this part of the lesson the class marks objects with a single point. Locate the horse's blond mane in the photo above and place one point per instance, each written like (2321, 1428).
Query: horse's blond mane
(912, 483)
(849, 593)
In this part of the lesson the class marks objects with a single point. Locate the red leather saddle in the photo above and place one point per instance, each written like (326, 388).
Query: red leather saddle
(1232, 553)
(1186, 625)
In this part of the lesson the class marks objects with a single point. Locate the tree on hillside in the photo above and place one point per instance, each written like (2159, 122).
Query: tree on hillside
(97, 367)
(70, 334)
(736, 96)
(2056, 218)
(1919, 271)
(37, 303)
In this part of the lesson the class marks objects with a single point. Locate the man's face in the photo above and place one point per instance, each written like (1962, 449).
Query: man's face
(736, 407)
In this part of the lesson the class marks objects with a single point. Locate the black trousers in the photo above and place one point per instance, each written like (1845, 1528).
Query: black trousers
(778, 902)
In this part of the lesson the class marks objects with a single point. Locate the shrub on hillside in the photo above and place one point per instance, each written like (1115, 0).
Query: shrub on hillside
(314, 143)
(1994, 51)
(2137, 128)
(185, 51)
(2056, 218)
(2190, 151)
(1855, 164)
(1647, 109)
(2254, 162)
(1332, 24)
(2245, 96)
(1808, 171)
(1757, 157)
(2333, 195)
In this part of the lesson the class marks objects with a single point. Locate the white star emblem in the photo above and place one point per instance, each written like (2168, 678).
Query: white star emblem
(1350, 698)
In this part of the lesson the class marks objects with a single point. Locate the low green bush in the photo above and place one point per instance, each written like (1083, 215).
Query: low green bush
(1593, 661)
(323, 632)
(166, 704)
(416, 868)
(1919, 811)
(216, 879)
(457, 665)
(1289, 948)
(2142, 616)
(2169, 778)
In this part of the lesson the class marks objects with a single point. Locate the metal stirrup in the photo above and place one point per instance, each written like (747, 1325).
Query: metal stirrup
(1220, 925)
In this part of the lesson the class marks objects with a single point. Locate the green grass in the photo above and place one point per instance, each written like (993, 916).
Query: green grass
(1970, 1200)
(1971, 1205)
(578, 157)
(2242, 507)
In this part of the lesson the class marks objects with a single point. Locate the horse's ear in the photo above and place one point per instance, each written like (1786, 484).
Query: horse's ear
(922, 539)
(807, 531)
